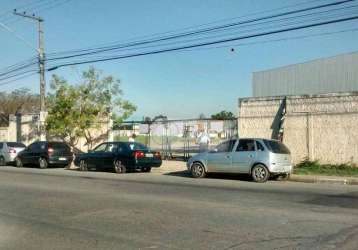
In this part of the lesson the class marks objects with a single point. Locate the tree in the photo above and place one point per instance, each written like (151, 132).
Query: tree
(19, 101)
(223, 115)
(76, 111)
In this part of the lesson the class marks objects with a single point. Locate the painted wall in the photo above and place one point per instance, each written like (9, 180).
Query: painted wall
(316, 127)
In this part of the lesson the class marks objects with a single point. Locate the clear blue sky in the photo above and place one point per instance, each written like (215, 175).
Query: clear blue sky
(180, 85)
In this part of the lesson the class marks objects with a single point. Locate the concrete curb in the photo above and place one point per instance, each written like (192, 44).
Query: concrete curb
(324, 179)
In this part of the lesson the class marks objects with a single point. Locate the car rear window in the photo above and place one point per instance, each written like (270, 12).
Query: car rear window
(59, 146)
(137, 146)
(276, 147)
(15, 144)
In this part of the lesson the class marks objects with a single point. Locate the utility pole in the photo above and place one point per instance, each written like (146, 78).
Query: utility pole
(41, 62)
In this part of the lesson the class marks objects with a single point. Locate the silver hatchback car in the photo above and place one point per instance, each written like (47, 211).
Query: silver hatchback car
(261, 158)
(9, 151)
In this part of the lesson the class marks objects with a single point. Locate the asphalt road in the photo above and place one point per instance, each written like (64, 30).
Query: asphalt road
(63, 209)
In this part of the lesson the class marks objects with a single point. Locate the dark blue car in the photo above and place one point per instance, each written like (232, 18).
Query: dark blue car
(120, 157)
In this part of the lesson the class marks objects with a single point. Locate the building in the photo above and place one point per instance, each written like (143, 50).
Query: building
(328, 75)
(312, 107)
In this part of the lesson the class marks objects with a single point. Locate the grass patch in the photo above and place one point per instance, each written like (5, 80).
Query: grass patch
(307, 167)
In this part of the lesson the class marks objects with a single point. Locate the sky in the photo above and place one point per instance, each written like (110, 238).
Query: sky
(177, 84)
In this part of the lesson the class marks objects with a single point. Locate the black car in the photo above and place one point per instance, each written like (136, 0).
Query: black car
(120, 157)
(45, 154)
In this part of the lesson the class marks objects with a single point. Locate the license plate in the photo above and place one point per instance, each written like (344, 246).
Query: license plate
(148, 155)
(62, 158)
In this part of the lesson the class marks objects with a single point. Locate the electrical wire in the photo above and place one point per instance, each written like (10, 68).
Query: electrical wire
(186, 28)
(231, 34)
(208, 43)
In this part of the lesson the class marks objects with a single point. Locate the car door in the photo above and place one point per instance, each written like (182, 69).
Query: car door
(220, 159)
(108, 155)
(95, 156)
(243, 156)
(27, 156)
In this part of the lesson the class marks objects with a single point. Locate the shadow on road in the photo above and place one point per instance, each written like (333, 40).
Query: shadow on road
(186, 174)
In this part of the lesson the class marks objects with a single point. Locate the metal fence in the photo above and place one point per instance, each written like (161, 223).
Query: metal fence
(178, 139)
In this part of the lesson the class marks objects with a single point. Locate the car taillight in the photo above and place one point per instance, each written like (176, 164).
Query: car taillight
(50, 150)
(157, 155)
(12, 150)
(138, 154)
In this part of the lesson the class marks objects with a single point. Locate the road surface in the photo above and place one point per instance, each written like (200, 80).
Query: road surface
(63, 209)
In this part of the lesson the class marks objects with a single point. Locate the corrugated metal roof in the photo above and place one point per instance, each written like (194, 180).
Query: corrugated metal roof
(327, 75)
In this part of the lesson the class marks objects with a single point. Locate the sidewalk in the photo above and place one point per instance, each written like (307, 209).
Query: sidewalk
(176, 166)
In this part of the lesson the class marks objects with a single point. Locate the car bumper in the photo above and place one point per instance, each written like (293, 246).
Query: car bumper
(278, 169)
(60, 160)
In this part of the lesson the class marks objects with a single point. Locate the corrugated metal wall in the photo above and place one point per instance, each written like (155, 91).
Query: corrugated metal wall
(328, 75)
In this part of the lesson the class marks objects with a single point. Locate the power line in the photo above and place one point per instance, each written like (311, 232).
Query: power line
(231, 34)
(208, 43)
(19, 78)
(187, 28)
(201, 31)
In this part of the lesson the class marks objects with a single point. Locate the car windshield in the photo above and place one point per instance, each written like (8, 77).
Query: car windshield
(15, 144)
(137, 146)
(276, 147)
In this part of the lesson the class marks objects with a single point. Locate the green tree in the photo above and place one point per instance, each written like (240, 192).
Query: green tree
(223, 115)
(77, 110)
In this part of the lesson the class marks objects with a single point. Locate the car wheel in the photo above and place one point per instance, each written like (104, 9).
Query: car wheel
(43, 163)
(2, 161)
(147, 169)
(260, 173)
(83, 165)
(198, 170)
(283, 177)
(119, 168)
(18, 162)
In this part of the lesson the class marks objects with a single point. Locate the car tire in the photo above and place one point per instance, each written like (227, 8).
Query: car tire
(2, 161)
(147, 169)
(119, 168)
(83, 165)
(18, 162)
(198, 170)
(260, 173)
(283, 177)
(43, 163)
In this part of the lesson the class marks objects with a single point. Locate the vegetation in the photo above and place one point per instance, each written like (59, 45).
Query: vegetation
(223, 115)
(18, 101)
(307, 167)
(76, 110)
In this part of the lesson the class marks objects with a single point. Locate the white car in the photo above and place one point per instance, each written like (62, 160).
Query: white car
(9, 151)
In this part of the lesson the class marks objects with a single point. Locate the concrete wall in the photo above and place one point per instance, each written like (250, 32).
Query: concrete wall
(317, 127)
(25, 128)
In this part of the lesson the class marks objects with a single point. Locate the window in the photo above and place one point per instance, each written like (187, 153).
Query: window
(100, 148)
(15, 145)
(1, 145)
(121, 148)
(137, 146)
(112, 147)
(276, 147)
(246, 145)
(225, 146)
(259, 146)
(34, 146)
